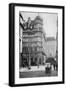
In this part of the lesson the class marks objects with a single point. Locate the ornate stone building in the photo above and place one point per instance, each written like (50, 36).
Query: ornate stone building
(31, 43)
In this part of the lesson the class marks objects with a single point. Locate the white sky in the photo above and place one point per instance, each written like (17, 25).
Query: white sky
(49, 21)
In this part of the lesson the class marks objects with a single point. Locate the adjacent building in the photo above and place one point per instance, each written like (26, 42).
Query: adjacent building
(50, 47)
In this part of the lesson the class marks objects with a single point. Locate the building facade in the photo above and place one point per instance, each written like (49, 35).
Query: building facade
(32, 52)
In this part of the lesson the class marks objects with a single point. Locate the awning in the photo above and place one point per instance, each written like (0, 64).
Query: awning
(51, 60)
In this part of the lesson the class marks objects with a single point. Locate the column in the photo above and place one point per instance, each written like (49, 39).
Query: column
(41, 60)
(29, 62)
(38, 62)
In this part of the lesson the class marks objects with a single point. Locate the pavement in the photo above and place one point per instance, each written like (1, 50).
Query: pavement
(33, 68)
(36, 72)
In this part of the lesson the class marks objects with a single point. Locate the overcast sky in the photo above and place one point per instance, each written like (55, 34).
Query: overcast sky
(49, 21)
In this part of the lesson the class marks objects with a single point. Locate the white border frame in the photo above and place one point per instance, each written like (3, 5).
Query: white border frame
(37, 79)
